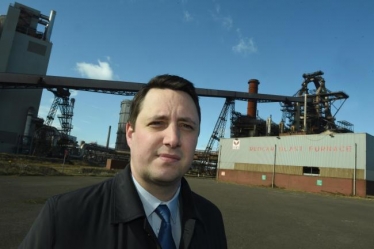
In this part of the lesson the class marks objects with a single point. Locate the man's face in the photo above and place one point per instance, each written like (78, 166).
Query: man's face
(164, 139)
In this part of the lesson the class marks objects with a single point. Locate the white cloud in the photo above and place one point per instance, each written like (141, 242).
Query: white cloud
(187, 16)
(100, 71)
(226, 21)
(245, 46)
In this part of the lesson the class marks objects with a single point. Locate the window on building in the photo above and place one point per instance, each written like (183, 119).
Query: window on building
(311, 171)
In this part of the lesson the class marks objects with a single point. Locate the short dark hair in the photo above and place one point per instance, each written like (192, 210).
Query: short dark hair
(164, 81)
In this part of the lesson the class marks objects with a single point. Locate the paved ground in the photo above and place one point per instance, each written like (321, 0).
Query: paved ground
(254, 217)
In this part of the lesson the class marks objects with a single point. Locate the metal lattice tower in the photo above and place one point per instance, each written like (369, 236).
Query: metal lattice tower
(218, 131)
(66, 116)
(52, 112)
(61, 101)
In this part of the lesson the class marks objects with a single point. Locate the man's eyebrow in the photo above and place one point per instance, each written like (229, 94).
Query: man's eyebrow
(164, 117)
(157, 117)
(187, 119)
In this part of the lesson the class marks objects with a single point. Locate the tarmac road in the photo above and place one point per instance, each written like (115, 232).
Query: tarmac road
(254, 217)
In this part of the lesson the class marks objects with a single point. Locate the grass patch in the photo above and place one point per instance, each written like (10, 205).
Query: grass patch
(21, 165)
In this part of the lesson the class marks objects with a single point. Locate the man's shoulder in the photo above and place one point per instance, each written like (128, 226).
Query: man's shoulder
(209, 224)
(95, 193)
(204, 204)
(92, 194)
(102, 193)
(202, 207)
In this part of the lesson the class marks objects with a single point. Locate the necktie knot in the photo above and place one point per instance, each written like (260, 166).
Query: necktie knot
(165, 236)
(163, 212)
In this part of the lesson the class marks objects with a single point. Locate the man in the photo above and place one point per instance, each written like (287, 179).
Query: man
(149, 204)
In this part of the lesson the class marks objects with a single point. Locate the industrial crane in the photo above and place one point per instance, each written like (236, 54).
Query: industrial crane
(61, 101)
(46, 136)
(218, 133)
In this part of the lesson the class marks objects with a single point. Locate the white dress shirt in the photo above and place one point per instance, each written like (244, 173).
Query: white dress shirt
(150, 203)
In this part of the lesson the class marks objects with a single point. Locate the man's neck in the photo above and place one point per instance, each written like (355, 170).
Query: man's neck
(162, 191)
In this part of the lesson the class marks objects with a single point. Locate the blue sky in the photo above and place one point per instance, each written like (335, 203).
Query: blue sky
(217, 44)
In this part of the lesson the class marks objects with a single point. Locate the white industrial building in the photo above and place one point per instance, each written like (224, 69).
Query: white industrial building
(338, 163)
(25, 48)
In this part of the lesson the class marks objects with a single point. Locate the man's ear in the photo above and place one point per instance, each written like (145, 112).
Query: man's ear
(129, 133)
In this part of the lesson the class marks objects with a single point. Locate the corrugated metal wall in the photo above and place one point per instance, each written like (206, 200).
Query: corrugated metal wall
(298, 170)
(324, 151)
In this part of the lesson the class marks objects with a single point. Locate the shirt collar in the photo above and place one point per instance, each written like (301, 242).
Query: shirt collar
(150, 202)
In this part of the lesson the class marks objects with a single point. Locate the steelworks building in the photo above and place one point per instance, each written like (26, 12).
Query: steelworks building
(325, 163)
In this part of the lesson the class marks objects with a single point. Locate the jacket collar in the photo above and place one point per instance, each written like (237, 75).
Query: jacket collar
(188, 208)
(127, 206)
(125, 201)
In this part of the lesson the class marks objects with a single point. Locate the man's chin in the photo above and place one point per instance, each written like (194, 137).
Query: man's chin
(167, 180)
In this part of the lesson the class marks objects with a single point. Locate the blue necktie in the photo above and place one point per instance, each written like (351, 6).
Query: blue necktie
(164, 236)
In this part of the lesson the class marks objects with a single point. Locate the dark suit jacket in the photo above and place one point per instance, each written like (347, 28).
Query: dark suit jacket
(111, 215)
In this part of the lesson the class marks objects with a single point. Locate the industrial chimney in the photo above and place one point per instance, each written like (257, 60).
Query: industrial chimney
(252, 104)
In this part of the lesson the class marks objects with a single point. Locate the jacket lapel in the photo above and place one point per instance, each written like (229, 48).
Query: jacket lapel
(125, 201)
(189, 214)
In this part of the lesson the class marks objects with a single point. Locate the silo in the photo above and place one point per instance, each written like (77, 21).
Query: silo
(121, 143)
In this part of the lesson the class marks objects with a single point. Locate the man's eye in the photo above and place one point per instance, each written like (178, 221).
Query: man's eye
(187, 126)
(155, 123)
(158, 124)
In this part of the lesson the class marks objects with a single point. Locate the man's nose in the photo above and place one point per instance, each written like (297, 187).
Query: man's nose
(172, 136)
